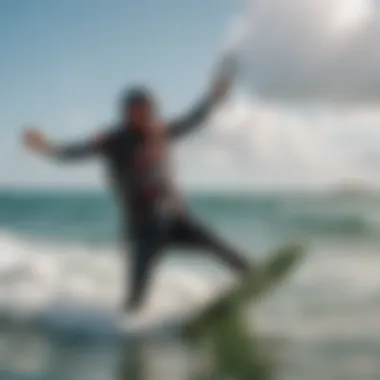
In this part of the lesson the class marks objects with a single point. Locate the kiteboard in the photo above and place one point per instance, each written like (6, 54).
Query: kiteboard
(251, 287)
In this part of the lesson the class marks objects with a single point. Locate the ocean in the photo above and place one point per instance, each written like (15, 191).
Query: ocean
(62, 278)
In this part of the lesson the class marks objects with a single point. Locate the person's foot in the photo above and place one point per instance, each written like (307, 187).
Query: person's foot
(131, 306)
(248, 268)
(253, 268)
(130, 312)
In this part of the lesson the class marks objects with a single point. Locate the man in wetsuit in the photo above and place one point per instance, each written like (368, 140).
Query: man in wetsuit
(154, 217)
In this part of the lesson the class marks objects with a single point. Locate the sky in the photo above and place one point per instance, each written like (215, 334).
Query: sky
(63, 64)
(304, 112)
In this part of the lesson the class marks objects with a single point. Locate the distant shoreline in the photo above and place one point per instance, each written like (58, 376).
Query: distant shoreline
(337, 191)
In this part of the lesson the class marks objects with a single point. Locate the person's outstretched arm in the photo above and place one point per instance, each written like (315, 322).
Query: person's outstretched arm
(37, 142)
(182, 126)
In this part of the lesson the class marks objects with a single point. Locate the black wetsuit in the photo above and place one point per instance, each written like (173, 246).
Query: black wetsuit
(140, 191)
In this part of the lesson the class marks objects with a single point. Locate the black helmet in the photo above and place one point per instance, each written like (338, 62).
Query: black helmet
(135, 95)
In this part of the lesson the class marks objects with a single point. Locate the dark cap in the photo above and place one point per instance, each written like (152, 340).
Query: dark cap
(135, 95)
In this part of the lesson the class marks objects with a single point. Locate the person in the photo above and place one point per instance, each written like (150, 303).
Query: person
(154, 215)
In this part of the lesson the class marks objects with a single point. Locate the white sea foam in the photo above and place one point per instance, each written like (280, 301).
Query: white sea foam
(40, 279)
(333, 293)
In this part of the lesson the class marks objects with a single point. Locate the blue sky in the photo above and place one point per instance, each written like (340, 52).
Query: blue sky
(63, 63)
(62, 55)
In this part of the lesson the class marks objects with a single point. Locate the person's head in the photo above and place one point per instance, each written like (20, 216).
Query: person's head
(139, 107)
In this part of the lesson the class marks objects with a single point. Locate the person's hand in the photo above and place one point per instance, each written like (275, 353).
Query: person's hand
(226, 72)
(220, 87)
(36, 140)
(179, 206)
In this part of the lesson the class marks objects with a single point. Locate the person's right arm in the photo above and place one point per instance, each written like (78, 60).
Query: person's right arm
(37, 142)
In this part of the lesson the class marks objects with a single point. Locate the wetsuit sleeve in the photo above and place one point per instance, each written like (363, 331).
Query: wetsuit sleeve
(82, 150)
(180, 127)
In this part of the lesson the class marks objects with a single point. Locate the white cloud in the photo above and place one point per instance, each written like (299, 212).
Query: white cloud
(310, 49)
(251, 143)
(290, 51)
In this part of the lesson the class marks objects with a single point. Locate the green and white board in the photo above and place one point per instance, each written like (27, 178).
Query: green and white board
(259, 282)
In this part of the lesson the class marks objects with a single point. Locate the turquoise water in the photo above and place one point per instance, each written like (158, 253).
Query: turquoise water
(91, 218)
(60, 261)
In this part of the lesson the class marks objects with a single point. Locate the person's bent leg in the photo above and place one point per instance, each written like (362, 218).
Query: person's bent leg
(224, 251)
(191, 233)
(230, 255)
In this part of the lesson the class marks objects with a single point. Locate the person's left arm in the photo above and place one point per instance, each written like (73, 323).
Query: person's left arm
(188, 123)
